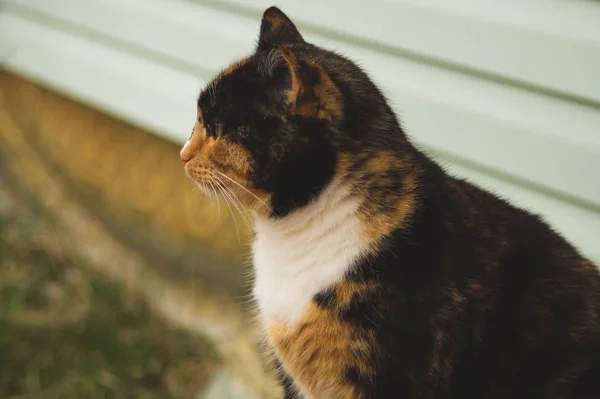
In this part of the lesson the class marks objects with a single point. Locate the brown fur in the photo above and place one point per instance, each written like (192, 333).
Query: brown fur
(321, 347)
(456, 295)
(379, 218)
(230, 158)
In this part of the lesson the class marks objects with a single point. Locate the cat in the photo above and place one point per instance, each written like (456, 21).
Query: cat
(377, 274)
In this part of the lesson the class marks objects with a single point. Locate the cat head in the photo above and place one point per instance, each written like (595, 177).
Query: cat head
(275, 128)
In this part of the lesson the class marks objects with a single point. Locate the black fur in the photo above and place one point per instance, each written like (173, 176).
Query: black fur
(514, 337)
(475, 298)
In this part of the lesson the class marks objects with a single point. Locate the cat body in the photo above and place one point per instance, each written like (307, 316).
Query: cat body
(454, 313)
(377, 274)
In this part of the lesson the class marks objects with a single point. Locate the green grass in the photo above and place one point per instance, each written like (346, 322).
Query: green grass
(68, 333)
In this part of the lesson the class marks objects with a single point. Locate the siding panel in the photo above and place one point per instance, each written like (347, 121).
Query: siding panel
(145, 60)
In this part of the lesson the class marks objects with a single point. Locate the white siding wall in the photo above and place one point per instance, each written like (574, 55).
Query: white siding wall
(505, 93)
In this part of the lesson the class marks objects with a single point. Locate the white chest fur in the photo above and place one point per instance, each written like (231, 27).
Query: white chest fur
(304, 253)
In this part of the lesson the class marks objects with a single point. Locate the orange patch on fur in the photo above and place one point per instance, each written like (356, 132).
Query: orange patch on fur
(379, 222)
(234, 160)
(321, 101)
(232, 156)
(224, 166)
(346, 290)
(343, 166)
(319, 349)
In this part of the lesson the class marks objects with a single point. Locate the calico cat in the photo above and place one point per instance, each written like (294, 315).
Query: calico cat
(378, 275)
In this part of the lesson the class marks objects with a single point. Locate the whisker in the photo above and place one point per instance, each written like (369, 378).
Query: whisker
(244, 188)
(226, 196)
(213, 189)
(241, 207)
(216, 186)
(235, 200)
(219, 204)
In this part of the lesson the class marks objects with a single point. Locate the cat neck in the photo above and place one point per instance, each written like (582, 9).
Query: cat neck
(306, 252)
(335, 201)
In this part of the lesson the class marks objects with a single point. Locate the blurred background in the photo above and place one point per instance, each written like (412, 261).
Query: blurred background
(119, 279)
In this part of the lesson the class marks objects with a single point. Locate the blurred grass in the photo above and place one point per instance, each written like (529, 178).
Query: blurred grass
(68, 333)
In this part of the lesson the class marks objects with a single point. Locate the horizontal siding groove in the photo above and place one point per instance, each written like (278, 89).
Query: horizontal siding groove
(513, 180)
(539, 151)
(252, 12)
(477, 121)
(202, 73)
(456, 14)
(82, 30)
(152, 96)
(580, 225)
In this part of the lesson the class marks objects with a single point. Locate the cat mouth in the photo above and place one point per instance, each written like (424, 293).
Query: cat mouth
(207, 181)
(218, 185)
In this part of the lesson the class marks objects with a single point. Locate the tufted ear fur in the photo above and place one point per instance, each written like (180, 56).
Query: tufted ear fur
(303, 87)
(297, 83)
(285, 74)
(277, 29)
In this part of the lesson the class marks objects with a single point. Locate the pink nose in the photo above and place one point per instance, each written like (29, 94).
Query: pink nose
(185, 154)
(190, 148)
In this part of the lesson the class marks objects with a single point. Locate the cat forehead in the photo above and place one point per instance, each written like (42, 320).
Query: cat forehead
(228, 82)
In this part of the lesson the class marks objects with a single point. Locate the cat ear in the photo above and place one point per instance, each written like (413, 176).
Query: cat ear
(311, 93)
(277, 29)
(305, 88)
(284, 73)
(295, 75)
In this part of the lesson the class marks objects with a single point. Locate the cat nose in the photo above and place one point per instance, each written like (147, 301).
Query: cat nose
(190, 148)
(185, 154)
